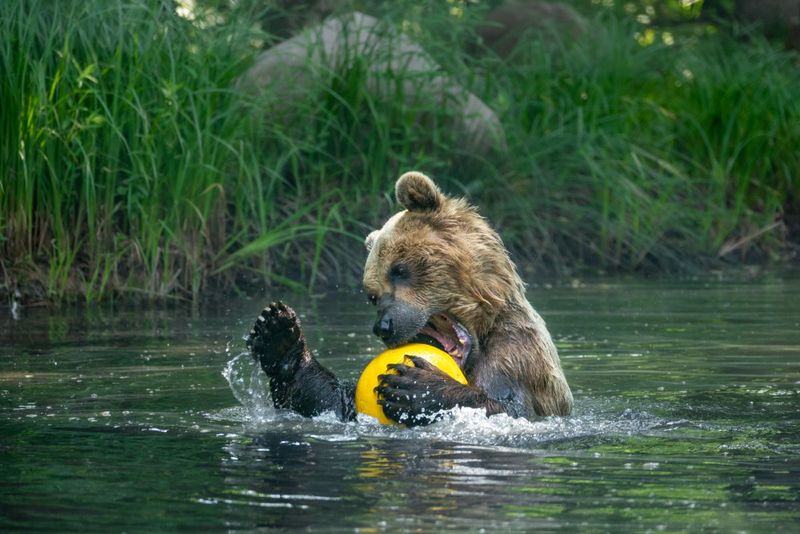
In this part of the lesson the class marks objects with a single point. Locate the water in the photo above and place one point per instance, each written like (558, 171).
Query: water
(687, 417)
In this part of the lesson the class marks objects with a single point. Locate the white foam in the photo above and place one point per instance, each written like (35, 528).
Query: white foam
(250, 386)
(469, 426)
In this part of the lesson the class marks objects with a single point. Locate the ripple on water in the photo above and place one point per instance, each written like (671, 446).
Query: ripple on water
(463, 425)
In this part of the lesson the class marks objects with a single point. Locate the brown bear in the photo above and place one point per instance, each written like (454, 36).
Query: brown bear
(437, 272)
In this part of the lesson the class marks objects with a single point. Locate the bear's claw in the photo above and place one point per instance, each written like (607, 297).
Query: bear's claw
(276, 340)
(419, 394)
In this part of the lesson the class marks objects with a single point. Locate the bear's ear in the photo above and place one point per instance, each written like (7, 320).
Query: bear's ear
(417, 192)
(370, 240)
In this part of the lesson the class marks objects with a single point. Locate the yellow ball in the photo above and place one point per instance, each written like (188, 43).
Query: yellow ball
(367, 398)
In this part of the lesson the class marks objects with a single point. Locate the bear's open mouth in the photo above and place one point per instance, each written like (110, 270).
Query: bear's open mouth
(450, 335)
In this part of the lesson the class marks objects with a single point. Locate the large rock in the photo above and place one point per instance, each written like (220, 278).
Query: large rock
(779, 13)
(506, 24)
(287, 70)
(777, 18)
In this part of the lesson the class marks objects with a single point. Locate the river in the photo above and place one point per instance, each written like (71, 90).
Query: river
(687, 417)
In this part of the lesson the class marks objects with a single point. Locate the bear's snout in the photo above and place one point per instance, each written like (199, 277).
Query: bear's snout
(384, 328)
(398, 321)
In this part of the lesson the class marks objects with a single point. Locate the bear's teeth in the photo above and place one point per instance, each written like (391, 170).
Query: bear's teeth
(261, 318)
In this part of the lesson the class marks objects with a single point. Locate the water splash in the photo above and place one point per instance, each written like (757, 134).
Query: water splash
(471, 426)
(250, 386)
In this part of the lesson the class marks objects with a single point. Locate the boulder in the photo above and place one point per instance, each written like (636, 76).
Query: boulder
(777, 18)
(287, 71)
(505, 25)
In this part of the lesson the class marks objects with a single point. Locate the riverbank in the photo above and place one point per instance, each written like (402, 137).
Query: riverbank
(132, 165)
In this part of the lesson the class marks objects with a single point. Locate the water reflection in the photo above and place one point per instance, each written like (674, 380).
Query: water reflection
(687, 417)
(356, 483)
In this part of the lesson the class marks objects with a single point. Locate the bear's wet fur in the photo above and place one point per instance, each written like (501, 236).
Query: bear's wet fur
(296, 379)
(436, 263)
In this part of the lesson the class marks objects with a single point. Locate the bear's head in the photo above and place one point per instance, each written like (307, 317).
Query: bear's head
(438, 270)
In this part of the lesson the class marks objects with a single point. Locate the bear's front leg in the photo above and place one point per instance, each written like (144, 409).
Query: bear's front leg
(419, 394)
(296, 379)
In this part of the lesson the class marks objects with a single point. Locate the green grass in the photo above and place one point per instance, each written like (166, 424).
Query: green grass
(655, 156)
(131, 164)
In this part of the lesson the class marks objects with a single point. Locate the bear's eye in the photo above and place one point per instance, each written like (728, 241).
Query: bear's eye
(399, 272)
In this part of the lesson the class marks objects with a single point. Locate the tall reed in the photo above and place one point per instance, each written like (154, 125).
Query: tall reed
(649, 157)
(131, 162)
(123, 142)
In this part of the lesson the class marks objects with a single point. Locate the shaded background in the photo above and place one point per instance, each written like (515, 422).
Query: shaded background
(612, 137)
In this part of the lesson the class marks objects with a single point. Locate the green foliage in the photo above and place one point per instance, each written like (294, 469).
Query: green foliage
(647, 156)
(130, 162)
(123, 146)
